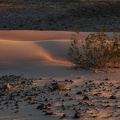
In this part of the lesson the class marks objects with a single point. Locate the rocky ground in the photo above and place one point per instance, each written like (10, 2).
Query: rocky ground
(59, 15)
(61, 99)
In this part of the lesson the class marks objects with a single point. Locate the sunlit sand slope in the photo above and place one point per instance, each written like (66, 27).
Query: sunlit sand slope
(51, 51)
(29, 35)
(35, 45)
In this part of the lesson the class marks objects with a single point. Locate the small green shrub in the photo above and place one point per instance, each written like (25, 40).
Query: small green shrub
(98, 50)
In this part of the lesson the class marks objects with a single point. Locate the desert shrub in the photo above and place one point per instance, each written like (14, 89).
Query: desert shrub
(62, 86)
(58, 86)
(98, 50)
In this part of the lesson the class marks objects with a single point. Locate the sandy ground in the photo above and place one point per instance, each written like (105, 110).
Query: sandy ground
(44, 85)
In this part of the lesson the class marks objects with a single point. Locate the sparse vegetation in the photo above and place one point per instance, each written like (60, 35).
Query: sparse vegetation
(58, 86)
(62, 86)
(98, 50)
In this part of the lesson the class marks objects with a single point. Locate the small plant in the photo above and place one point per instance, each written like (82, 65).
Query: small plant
(62, 86)
(98, 50)
(58, 86)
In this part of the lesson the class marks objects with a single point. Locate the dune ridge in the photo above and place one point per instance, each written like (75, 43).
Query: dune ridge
(33, 51)
(32, 35)
(29, 45)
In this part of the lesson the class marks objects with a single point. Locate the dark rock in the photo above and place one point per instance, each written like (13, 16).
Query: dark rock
(29, 98)
(102, 83)
(63, 116)
(16, 111)
(118, 87)
(90, 81)
(67, 95)
(23, 82)
(106, 79)
(85, 90)
(77, 115)
(41, 106)
(80, 103)
(79, 93)
(86, 83)
(49, 113)
(46, 100)
(85, 98)
(94, 116)
(113, 97)
(71, 99)
(108, 106)
(71, 81)
(66, 80)
(96, 94)
(63, 107)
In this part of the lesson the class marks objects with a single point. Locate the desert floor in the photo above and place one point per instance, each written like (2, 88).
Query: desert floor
(45, 86)
(61, 15)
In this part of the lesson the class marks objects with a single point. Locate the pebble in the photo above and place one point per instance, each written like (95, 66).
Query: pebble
(63, 116)
(49, 113)
(77, 115)
(85, 98)
(113, 97)
(79, 93)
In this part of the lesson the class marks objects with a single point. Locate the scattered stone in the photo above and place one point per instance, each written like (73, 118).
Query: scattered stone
(76, 86)
(41, 106)
(102, 83)
(67, 95)
(108, 106)
(71, 81)
(23, 82)
(66, 80)
(85, 98)
(94, 116)
(63, 116)
(49, 113)
(79, 93)
(84, 90)
(106, 79)
(29, 98)
(16, 111)
(86, 83)
(77, 115)
(113, 97)
(26, 93)
(63, 107)
(90, 81)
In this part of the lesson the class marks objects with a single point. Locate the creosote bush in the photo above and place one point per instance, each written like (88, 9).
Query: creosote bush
(98, 50)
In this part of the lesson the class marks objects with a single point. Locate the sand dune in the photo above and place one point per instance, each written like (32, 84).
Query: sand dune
(35, 45)
(17, 51)
(29, 35)
(27, 45)
(43, 51)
